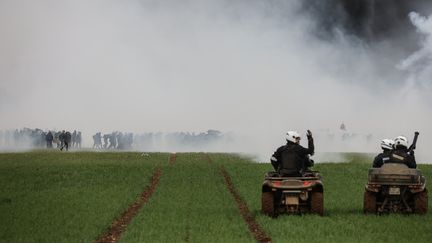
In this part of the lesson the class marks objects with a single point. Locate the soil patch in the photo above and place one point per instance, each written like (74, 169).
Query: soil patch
(119, 225)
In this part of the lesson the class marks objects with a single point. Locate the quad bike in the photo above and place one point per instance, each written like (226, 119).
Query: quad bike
(395, 188)
(292, 195)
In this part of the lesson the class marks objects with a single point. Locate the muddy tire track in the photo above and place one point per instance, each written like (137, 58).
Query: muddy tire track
(118, 226)
(188, 228)
(255, 229)
(207, 157)
(172, 159)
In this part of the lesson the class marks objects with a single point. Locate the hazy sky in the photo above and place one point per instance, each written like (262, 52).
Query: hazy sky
(253, 67)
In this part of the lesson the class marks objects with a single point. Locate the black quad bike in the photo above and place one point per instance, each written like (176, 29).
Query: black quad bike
(395, 188)
(292, 195)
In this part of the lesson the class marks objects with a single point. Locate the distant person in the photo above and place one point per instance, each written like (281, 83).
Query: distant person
(62, 139)
(380, 159)
(113, 141)
(67, 140)
(49, 139)
(105, 140)
(74, 135)
(78, 140)
(57, 139)
(120, 142)
(401, 154)
(292, 159)
(97, 140)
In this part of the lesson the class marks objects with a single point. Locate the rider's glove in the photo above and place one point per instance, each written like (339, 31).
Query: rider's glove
(309, 134)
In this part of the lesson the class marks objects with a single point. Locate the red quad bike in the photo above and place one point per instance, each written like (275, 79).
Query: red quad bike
(395, 188)
(292, 195)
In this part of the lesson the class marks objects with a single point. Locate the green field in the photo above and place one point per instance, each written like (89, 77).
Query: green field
(74, 197)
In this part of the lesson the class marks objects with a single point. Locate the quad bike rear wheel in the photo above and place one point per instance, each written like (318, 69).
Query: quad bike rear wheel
(421, 202)
(369, 203)
(317, 203)
(267, 203)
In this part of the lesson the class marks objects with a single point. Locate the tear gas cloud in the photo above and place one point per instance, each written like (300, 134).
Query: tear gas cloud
(252, 68)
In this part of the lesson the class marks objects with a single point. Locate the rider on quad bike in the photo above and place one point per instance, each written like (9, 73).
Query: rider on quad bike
(292, 159)
(292, 188)
(384, 157)
(394, 184)
(402, 154)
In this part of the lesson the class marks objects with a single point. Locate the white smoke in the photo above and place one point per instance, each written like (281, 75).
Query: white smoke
(251, 67)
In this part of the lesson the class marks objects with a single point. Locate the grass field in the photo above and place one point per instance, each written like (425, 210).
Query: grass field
(343, 196)
(67, 197)
(74, 197)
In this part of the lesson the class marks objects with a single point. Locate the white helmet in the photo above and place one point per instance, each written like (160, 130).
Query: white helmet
(293, 136)
(401, 141)
(387, 144)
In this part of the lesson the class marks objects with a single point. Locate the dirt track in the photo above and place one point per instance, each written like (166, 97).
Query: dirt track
(173, 159)
(119, 225)
(253, 226)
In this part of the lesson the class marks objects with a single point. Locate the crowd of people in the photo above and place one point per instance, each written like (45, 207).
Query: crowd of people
(114, 140)
(179, 140)
(38, 138)
(28, 138)
(154, 141)
(64, 139)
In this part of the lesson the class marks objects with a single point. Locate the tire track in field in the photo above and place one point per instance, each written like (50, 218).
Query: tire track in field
(207, 157)
(119, 225)
(188, 228)
(254, 228)
(172, 159)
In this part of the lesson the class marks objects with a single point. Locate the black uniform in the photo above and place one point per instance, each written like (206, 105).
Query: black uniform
(401, 155)
(62, 139)
(292, 159)
(382, 158)
(67, 139)
(49, 139)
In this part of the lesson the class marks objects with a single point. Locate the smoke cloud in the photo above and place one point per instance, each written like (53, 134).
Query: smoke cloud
(252, 68)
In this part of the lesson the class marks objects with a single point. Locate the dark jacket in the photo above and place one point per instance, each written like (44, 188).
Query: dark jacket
(381, 158)
(62, 136)
(49, 137)
(68, 137)
(292, 159)
(401, 155)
